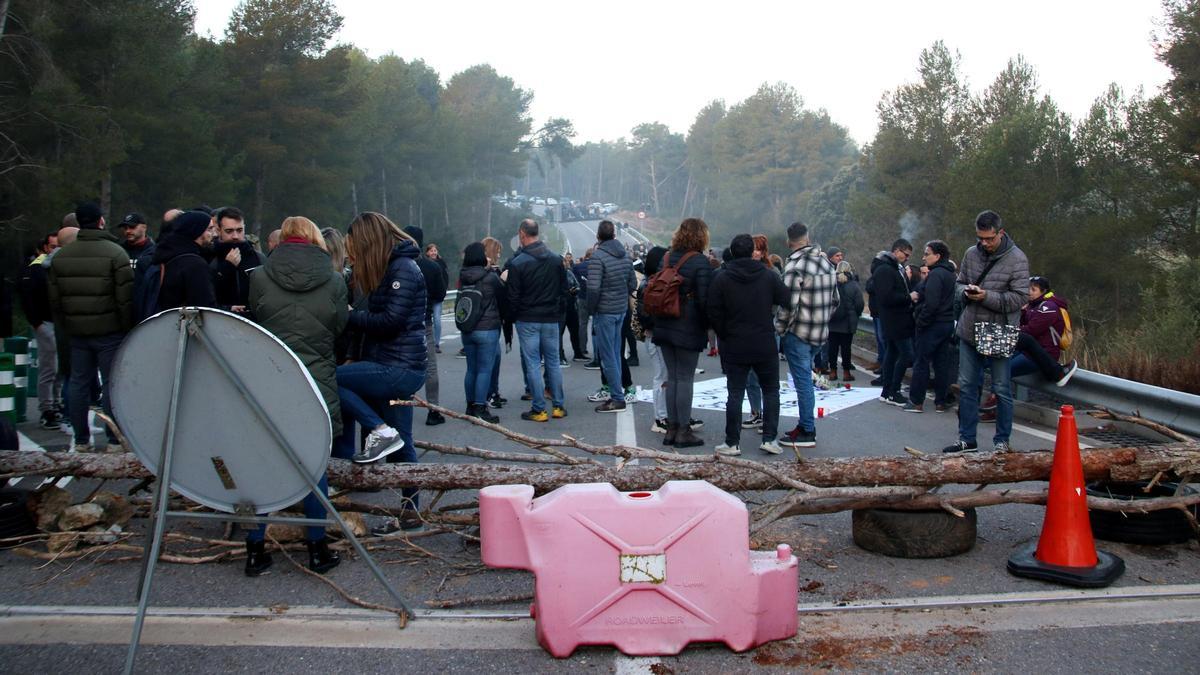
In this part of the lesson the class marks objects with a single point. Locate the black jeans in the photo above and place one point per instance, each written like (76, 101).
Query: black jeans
(839, 343)
(931, 345)
(681, 379)
(768, 378)
(899, 354)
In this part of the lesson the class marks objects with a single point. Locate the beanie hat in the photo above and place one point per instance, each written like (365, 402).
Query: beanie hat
(416, 233)
(88, 215)
(191, 224)
(833, 250)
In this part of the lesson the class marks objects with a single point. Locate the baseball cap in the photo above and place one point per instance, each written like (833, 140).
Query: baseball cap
(132, 219)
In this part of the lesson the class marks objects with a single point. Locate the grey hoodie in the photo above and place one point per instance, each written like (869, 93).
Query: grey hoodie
(610, 279)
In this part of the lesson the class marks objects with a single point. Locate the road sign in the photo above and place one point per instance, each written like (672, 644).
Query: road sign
(641, 215)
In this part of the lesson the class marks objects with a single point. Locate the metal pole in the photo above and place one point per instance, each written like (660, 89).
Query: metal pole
(162, 495)
(299, 466)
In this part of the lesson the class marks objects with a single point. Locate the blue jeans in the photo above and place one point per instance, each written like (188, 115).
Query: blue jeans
(539, 342)
(87, 355)
(931, 346)
(312, 509)
(608, 350)
(494, 387)
(437, 325)
(799, 356)
(970, 379)
(899, 358)
(481, 355)
(365, 388)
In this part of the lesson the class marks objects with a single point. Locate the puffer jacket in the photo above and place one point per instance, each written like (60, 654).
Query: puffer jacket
(1044, 322)
(891, 293)
(850, 306)
(393, 323)
(1007, 286)
(611, 278)
(690, 330)
(740, 305)
(495, 302)
(536, 284)
(937, 296)
(300, 298)
(91, 286)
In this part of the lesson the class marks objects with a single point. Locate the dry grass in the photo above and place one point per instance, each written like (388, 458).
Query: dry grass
(1147, 366)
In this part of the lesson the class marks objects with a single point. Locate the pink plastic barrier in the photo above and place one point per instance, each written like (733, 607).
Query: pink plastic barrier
(647, 572)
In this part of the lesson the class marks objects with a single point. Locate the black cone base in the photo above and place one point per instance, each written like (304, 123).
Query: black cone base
(1108, 568)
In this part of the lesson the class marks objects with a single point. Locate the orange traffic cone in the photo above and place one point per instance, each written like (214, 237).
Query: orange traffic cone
(1066, 552)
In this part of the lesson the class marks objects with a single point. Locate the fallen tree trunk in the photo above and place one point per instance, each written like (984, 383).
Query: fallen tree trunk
(1117, 464)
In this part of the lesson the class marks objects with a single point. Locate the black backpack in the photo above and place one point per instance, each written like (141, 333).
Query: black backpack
(468, 308)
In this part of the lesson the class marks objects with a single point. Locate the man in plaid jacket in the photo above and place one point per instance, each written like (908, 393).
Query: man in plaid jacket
(812, 282)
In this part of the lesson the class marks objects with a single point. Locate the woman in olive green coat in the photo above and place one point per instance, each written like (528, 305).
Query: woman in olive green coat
(300, 298)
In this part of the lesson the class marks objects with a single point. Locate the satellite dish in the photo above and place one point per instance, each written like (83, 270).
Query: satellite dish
(225, 456)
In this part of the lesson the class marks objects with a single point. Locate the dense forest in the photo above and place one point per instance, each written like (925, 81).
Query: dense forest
(124, 103)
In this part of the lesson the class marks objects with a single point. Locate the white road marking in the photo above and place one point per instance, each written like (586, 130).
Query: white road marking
(1044, 435)
(26, 444)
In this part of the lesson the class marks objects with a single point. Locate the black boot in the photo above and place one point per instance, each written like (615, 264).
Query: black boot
(672, 431)
(320, 558)
(258, 561)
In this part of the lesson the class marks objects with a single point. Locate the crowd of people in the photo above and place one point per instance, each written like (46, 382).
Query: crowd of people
(362, 311)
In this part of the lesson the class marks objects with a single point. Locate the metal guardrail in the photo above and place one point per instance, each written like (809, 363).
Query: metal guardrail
(1175, 409)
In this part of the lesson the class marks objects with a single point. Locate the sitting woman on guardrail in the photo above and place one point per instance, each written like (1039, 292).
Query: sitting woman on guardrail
(1042, 326)
(302, 300)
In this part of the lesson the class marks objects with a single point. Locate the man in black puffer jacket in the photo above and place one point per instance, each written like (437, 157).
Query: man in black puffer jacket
(741, 300)
(537, 289)
(235, 259)
(889, 287)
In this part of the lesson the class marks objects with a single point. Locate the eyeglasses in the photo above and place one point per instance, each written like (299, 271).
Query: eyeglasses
(988, 240)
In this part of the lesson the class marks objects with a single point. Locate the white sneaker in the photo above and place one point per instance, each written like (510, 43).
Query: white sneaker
(81, 447)
(380, 443)
(114, 448)
(1068, 372)
(771, 448)
(728, 450)
(659, 426)
(600, 395)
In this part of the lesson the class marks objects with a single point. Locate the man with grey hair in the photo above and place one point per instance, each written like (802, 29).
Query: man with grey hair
(994, 283)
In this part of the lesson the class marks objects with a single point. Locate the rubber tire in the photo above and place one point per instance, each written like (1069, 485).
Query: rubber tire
(914, 534)
(15, 520)
(1166, 526)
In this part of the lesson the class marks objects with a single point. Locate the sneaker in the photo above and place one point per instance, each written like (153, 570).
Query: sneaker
(1068, 372)
(897, 400)
(770, 447)
(408, 522)
(434, 418)
(601, 394)
(752, 421)
(877, 382)
(914, 407)
(728, 450)
(81, 447)
(1001, 446)
(987, 416)
(51, 420)
(611, 406)
(630, 394)
(940, 407)
(695, 424)
(535, 415)
(481, 412)
(558, 412)
(581, 358)
(527, 396)
(592, 365)
(659, 426)
(114, 448)
(496, 401)
(799, 438)
(380, 443)
(960, 446)
(462, 354)
(564, 363)
(437, 350)
(699, 371)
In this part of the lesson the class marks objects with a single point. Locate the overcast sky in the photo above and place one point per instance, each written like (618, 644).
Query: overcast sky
(611, 65)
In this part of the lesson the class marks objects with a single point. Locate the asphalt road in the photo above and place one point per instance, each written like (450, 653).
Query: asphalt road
(1146, 635)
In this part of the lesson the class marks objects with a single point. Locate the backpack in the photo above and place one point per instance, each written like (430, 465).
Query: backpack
(662, 297)
(147, 283)
(1068, 336)
(468, 308)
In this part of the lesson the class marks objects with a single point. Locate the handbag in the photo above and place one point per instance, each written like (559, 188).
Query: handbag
(991, 338)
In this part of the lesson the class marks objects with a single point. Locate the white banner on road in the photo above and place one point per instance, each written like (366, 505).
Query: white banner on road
(712, 395)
